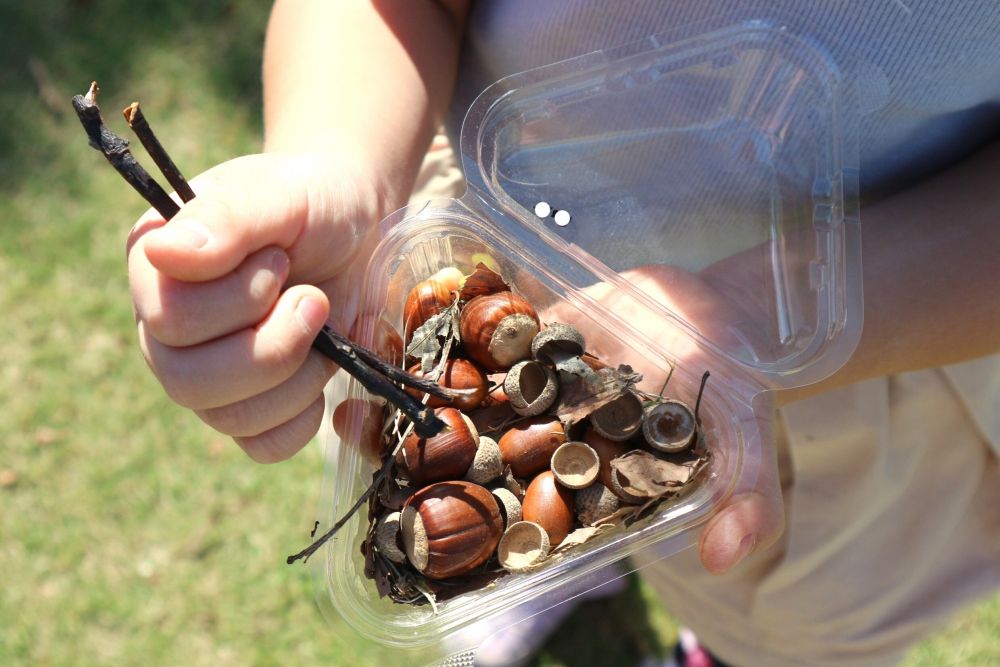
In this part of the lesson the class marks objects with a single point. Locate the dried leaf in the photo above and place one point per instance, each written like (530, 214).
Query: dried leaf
(483, 280)
(426, 342)
(647, 476)
(579, 399)
(581, 536)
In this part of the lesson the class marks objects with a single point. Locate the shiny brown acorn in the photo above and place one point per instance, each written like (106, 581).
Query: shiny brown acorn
(444, 456)
(450, 528)
(363, 431)
(550, 505)
(497, 329)
(457, 374)
(428, 298)
(529, 444)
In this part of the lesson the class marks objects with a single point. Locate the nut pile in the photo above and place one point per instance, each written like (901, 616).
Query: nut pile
(545, 445)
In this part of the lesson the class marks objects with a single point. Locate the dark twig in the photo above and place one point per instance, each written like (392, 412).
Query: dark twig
(115, 149)
(344, 354)
(701, 390)
(322, 539)
(367, 368)
(399, 375)
(137, 121)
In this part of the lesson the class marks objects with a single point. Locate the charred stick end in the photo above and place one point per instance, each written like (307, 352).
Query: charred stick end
(116, 150)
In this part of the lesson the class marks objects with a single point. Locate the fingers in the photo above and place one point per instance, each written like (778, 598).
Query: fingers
(754, 517)
(242, 364)
(181, 314)
(260, 413)
(284, 441)
(256, 201)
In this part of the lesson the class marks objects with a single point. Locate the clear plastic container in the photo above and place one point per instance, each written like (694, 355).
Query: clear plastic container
(728, 155)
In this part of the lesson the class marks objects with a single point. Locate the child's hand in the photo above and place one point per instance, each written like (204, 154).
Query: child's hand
(230, 294)
(753, 517)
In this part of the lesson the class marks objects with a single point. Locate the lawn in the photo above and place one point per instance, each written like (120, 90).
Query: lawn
(129, 533)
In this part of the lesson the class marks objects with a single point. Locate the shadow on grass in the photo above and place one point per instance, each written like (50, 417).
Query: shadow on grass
(610, 631)
(51, 50)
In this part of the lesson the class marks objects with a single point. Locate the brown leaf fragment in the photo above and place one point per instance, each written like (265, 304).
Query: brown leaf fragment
(581, 536)
(579, 399)
(483, 280)
(426, 342)
(646, 476)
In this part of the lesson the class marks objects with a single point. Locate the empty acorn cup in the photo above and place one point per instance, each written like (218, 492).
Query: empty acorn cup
(669, 426)
(620, 419)
(531, 388)
(575, 465)
(524, 545)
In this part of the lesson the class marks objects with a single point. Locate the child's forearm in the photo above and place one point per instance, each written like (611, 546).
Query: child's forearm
(365, 82)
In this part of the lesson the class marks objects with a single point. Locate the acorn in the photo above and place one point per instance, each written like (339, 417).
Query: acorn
(450, 528)
(531, 388)
(359, 422)
(606, 450)
(387, 344)
(669, 426)
(444, 456)
(497, 329)
(595, 502)
(529, 444)
(620, 419)
(575, 465)
(387, 537)
(428, 298)
(487, 464)
(457, 374)
(523, 545)
(550, 505)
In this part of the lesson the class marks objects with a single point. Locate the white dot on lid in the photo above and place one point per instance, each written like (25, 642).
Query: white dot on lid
(562, 218)
(542, 209)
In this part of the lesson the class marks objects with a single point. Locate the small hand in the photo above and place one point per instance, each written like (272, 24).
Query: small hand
(229, 295)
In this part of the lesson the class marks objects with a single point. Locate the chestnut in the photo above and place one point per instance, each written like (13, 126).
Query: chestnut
(550, 505)
(497, 329)
(446, 455)
(457, 374)
(528, 446)
(450, 528)
(428, 298)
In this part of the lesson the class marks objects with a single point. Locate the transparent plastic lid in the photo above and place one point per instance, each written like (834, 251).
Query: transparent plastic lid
(725, 165)
(730, 155)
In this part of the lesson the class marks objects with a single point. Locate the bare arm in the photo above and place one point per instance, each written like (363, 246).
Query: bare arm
(931, 260)
(364, 80)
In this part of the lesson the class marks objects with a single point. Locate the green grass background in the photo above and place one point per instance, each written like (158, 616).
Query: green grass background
(129, 533)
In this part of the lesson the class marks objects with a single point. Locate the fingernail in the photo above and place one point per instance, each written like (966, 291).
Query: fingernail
(185, 234)
(311, 314)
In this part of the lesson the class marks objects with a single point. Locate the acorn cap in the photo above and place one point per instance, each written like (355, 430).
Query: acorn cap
(669, 426)
(386, 537)
(488, 464)
(524, 545)
(620, 419)
(510, 506)
(595, 502)
(557, 340)
(531, 388)
(575, 465)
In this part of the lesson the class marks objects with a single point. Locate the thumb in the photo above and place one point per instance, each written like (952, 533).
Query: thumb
(250, 203)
